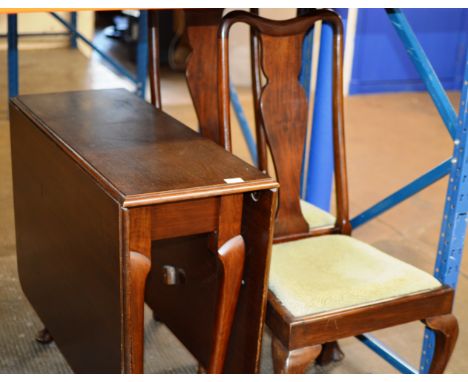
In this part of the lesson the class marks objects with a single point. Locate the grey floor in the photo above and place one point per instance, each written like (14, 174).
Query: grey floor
(20, 353)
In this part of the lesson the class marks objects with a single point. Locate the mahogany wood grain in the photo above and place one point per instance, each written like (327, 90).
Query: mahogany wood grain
(231, 256)
(67, 237)
(285, 123)
(201, 73)
(139, 155)
(296, 332)
(284, 118)
(230, 249)
(446, 330)
(138, 265)
(93, 172)
(201, 28)
(292, 361)
(184, 218)
(154, 59)
(257, 231)
(256, 74)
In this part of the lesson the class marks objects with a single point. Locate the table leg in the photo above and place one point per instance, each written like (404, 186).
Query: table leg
(231, 255)
(138, 267)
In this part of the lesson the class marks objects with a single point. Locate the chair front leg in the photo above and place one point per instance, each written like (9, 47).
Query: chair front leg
(331, 353)
(446, 331)
(295, 361)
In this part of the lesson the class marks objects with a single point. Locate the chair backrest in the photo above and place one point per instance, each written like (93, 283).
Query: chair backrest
(201, 28)
(154, 58)
(282, 111)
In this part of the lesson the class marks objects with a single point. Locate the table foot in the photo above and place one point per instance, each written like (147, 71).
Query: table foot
(44, 337)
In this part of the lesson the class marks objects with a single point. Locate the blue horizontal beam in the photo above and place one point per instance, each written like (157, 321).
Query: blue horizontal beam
(38, 34)
(109, 60)
(402, 194)
(244, 125)
(305, 77)
(388, 355)
(423, 66)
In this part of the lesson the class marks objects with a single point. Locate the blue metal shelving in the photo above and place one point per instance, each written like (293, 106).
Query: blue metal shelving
(454, 222)
(455, 216)
(142, 51)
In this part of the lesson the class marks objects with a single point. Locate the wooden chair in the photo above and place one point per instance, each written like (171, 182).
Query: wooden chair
(201, 74)
(324, 285)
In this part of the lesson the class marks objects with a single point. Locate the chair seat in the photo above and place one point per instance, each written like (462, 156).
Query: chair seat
(335, 272)
(316, 217)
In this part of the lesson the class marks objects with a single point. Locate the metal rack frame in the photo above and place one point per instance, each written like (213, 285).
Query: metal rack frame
(139, 79)
(454, 221)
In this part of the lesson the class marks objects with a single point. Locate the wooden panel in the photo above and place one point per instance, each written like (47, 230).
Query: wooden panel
(281, 108)
(67, 231)
(202, 80)
(139, 154)
(184, 218)
(304, 331)
(188, 308)
(284, 112)
(257, 231)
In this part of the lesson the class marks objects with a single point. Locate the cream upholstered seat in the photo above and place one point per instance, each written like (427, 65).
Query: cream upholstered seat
(335, 272)
(316, 217)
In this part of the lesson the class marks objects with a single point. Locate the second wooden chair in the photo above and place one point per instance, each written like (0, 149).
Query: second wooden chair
(324, 284)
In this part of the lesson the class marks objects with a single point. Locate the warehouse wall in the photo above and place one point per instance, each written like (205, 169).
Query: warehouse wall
(380, 63)
(42, 22)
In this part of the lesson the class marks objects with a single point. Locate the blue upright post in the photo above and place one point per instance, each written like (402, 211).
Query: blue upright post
(305, 77)
(13, 55)
(142, 53)
(73, 22)
(320, 170)
(454, 222)
(244, 125)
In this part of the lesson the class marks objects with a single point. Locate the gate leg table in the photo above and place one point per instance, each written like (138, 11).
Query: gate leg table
(117, 203)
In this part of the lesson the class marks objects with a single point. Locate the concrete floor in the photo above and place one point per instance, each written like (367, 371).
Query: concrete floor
(391, 139)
